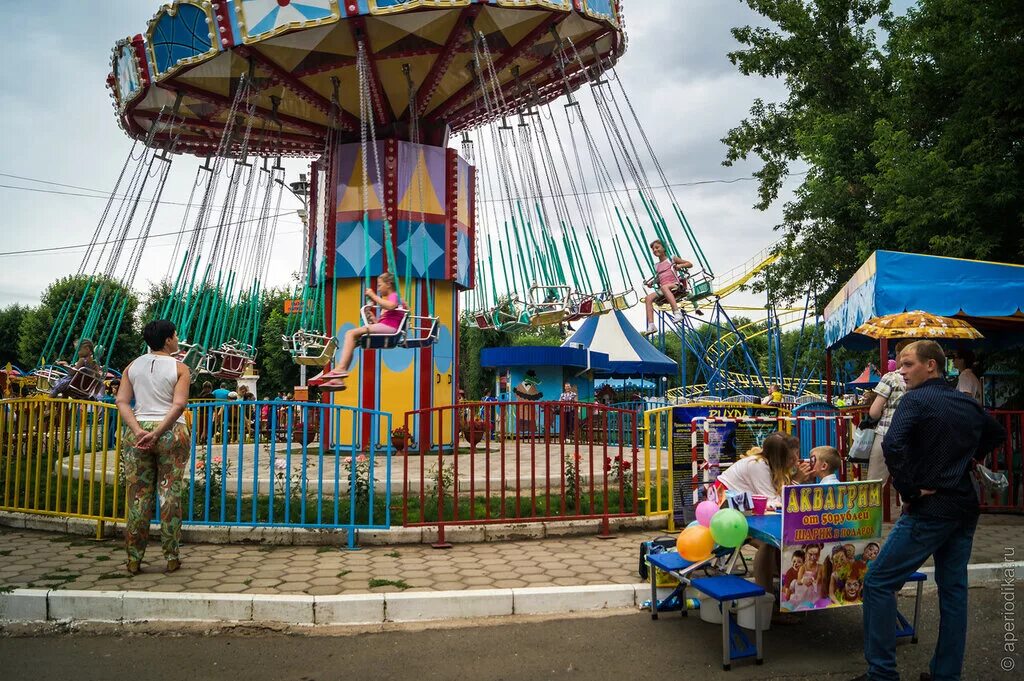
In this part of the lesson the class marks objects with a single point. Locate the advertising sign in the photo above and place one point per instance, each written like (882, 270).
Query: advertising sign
(830, 535)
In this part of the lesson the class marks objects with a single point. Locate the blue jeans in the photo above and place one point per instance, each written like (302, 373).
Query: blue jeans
(912, 540)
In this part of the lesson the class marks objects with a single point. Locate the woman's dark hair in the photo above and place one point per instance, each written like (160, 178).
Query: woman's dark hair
(157, 333)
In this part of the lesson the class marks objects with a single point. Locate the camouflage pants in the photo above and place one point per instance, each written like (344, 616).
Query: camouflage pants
(159, 468)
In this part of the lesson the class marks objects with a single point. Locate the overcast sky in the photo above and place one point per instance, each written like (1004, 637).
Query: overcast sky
(59, 127)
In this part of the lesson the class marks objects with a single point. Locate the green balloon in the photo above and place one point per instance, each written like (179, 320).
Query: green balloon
(729, 528)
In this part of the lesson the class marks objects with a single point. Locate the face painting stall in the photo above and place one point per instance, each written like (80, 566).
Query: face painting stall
(828, 535)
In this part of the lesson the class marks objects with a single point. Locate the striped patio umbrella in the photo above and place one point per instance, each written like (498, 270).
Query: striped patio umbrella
(918, 324)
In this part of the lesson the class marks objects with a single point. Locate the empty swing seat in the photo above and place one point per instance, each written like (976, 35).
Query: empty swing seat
(84, 384)
(47, 378)
(229, 362)
(313, 349)
(483, 320)
(420, 332)
(191, 356)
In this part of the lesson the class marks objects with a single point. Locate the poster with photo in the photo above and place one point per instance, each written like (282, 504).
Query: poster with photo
(830, 535)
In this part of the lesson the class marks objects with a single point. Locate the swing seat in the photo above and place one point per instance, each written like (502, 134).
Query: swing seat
(191, 356)
(84, 384)
(317, 351)
(679, 291)
(484, 320)
(625, 300)
(548, 317)
(382, 341)
(421, 332)
(230, 361)
(47, 378)
(548, 296)
(700, 286)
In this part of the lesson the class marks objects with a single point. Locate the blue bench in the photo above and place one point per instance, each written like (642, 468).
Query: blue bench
(903, 627)
(677, 566)
(727, 589)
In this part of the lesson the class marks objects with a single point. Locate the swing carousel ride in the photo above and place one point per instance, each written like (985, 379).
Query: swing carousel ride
(543, 219)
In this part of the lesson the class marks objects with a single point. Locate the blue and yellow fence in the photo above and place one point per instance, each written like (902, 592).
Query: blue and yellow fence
(61, 458)
(253, 464)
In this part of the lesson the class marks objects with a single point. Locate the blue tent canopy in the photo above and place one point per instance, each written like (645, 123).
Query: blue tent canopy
(629, 353)
(988, 295)
(536, 356)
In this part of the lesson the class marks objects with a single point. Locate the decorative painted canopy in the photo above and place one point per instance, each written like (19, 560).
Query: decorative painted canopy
(987, 295)
(918, 324)
(629, 353)
(295, 49)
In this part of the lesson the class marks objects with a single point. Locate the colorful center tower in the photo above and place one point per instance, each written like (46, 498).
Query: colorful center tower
(425, 194)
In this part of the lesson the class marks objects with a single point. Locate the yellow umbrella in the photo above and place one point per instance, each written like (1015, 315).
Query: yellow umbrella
(918, 324)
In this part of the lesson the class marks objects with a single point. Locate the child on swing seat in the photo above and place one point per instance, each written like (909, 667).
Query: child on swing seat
(390, 319)
(86, 363)
(667, 278)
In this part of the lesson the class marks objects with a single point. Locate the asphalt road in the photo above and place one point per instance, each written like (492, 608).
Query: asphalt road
(619, 646)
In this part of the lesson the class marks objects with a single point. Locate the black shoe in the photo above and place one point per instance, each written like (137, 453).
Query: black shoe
(926, 676)
(862, 677)
(699, 312)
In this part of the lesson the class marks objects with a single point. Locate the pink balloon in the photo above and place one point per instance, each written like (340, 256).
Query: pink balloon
(705, 510)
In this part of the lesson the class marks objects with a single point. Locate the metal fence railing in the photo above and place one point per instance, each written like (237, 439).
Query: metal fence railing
(521, 462)
(60, 457)
(289, 464)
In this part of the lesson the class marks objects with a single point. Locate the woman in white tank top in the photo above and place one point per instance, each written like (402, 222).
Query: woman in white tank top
(157, 443)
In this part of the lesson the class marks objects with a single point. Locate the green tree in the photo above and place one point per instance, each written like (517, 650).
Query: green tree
(56, 321)
(276, 368)
(826, 52)
(912, 146)
(10, 324)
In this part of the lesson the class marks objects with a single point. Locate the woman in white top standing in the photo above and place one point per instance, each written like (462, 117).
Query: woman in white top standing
(156, 444)
(968, 382)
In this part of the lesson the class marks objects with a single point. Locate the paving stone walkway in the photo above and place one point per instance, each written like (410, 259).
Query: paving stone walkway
(47, 560)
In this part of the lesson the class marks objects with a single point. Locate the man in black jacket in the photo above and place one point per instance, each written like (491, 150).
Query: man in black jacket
(936, 436)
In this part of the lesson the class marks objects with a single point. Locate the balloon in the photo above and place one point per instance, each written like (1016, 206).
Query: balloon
(693, 523)
(705, 511)
(695, 543)
(729, 527)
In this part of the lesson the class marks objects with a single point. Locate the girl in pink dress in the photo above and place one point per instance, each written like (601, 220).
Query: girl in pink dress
(667, 273)
(386, 298)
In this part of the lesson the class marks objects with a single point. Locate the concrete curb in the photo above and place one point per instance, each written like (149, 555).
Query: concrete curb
(41, 605)
(299, 536)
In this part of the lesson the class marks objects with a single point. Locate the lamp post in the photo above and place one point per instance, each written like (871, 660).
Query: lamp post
(301, 191)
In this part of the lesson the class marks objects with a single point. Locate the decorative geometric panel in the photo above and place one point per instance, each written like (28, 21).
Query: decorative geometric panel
(424, 241)
(599, 8)
(462, 265)
(181, 33)
(126, 71)
(260, 19)
(352, 249)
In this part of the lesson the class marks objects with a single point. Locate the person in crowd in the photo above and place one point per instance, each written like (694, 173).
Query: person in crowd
(666, 271)
(765, 472)
(968, 381)
(774, 396)
(156, 443)
(568, 412)
(825, 465)
(888, 393)
(221, 393)
(936, 436)
(86, 363)
(206, 392)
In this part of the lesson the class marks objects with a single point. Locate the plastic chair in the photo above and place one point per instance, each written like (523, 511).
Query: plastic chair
(382, 341)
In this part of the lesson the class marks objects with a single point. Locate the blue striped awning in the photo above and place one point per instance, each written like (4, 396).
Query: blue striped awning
(629, 353)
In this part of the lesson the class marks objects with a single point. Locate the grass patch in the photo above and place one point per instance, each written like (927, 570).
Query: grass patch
(6, 552)
(59, 579)
(324, 549)
(397, 583)
(102, 558)
(392, 554)
(114, 575)
(79, 555)
(6, 589)
(247, 582)
(343, 573)
(266, 549)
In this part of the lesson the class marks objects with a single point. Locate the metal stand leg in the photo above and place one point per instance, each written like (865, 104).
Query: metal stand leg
(759, 604)
(726, 658)
(654, 592)
(917, 610)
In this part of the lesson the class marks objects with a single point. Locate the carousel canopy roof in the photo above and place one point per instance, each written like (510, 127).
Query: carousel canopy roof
(197, 50)
(629, 353)
(988, 295)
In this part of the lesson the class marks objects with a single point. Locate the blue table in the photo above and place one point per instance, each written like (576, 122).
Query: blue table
(766, 528)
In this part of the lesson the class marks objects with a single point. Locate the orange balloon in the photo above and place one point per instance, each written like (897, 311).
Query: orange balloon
(695, 543)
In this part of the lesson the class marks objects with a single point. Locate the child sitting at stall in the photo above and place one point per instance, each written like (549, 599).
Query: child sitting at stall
(389, 321)
(826, 463)
(666, 272)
